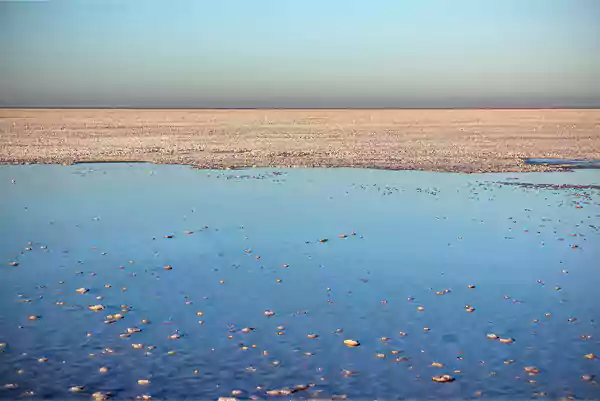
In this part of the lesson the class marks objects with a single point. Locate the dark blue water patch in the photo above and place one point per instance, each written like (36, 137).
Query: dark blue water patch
(571, 163)
(243, 243)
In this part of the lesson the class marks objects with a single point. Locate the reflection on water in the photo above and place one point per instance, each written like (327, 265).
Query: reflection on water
(177, 283)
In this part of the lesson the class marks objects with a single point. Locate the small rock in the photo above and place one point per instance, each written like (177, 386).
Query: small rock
(443, 379)
(351, 343)
(531, 370)
(100, 396)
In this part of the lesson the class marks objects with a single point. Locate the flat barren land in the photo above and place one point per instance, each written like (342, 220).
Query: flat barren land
(439, 140)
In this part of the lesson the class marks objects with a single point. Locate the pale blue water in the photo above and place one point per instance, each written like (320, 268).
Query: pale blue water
(573, 163)
(416, 233)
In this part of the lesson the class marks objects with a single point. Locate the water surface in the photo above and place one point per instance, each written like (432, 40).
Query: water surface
(244, 242)
(571, 163)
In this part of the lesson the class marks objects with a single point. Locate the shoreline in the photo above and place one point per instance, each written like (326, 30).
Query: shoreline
(527, 168)
(443, 140)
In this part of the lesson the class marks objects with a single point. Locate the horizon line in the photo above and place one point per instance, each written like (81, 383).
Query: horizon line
(582, 107)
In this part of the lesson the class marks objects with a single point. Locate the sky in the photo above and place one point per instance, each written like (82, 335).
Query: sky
(308, 53)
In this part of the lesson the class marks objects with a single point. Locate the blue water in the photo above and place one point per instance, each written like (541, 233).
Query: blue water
(416, 233)
(572, 163)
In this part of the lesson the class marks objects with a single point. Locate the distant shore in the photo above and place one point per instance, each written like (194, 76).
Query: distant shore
(469, 141)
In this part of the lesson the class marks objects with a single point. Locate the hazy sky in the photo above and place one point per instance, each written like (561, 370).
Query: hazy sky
(305, 53)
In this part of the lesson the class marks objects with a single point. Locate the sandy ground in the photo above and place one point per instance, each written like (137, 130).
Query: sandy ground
(439, 140)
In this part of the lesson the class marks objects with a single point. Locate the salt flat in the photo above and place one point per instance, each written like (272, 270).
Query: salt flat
(437, 140)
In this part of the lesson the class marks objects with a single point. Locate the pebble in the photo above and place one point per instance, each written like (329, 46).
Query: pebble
(100, 396)
(531, 370)
(443, 379)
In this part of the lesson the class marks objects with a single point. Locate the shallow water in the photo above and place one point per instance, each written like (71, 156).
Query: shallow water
(572, 163)
(417, 233)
